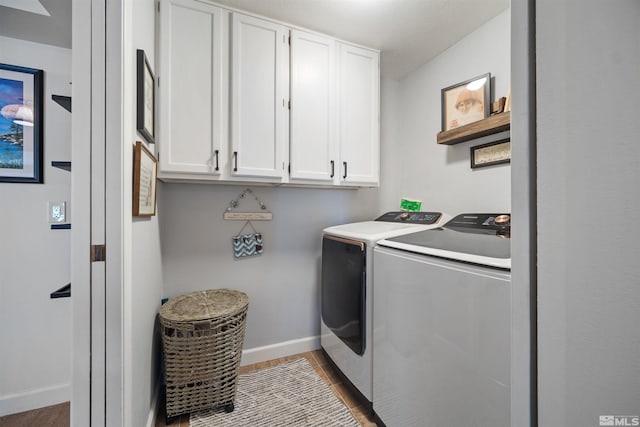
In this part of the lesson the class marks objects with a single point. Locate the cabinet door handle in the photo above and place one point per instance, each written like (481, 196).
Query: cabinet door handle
(217, 153)
(235, 161)
(345, 170)
(333, 168)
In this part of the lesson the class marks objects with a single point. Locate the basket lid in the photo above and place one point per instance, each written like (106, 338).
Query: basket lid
(201, 305)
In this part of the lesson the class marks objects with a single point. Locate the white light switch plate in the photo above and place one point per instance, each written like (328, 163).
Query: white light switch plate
(57, 212)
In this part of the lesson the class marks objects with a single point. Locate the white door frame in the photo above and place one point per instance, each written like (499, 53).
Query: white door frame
(523, 209)
(97, 396)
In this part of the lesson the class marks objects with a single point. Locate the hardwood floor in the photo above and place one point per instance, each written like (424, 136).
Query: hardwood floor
(59, 415)
(325, 371)
(51, 416)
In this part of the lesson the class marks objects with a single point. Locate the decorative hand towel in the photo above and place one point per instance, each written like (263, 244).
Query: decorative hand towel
(247, 244)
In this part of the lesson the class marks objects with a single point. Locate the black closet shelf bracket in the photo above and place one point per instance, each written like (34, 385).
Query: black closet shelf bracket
(63, 292)
(64, 101)
(62, 165)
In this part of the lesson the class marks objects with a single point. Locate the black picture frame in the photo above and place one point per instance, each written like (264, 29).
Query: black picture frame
(462, 104)
(145, 98)
(492, 153)
(21, 124)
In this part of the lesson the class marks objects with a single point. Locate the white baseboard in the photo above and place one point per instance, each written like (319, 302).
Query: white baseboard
(153, 412)
(274, 351)
(34, 399)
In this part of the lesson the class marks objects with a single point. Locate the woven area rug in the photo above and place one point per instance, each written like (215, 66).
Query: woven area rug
(290, 394)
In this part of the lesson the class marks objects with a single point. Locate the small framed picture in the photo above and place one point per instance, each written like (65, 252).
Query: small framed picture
(493, 153)
(466, 102)
(21, 124)
(145, 171)
(146, 98)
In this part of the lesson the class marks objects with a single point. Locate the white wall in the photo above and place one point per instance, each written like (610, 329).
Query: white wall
(283, 282)
(588, 205)
(35, 360)
(390, 154)
(413, 165)
(143, 277)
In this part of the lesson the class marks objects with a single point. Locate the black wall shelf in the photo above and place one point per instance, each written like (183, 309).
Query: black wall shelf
(61, 226)
(64, 101)
(63, 292)
(62, 165)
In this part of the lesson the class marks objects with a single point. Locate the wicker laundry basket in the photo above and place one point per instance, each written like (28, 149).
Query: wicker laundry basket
(202, 335)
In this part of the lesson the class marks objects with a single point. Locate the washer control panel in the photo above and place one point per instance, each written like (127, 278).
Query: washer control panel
(483, 223)
(426, 218)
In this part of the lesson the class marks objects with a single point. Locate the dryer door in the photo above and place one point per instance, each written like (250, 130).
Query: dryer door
(343, 290)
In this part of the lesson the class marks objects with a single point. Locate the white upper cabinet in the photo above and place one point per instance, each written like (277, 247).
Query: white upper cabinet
(359, 111)
(312, 141)
(193, 100)
(259, 97)
(246, 99)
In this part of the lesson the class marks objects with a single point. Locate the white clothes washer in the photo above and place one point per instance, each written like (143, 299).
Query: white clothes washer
(441, 334)
(347, 290)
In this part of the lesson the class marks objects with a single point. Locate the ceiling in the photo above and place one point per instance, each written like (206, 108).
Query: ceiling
(408, 32)
(53, 30)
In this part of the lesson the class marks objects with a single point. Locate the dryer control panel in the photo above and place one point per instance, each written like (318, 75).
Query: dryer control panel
(426, 218)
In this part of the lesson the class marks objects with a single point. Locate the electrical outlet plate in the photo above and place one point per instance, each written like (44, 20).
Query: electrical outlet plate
(57, 212)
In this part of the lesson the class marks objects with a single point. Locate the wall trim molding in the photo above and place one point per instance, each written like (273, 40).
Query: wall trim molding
(155, 407)
(274, 351)
(34, 399)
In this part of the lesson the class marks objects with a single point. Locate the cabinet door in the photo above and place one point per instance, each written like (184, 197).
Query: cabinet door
(259, 129)
(359, 107)
(312, 139)
(192, 102)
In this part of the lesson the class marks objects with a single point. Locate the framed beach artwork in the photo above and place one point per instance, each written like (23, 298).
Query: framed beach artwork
(21, 125)
(466, 102)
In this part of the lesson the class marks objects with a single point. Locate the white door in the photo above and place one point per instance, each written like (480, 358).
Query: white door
(259, 100)
(312, 139)
(97, 393)
(88, 279)
(192, 95)
(359, 107)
